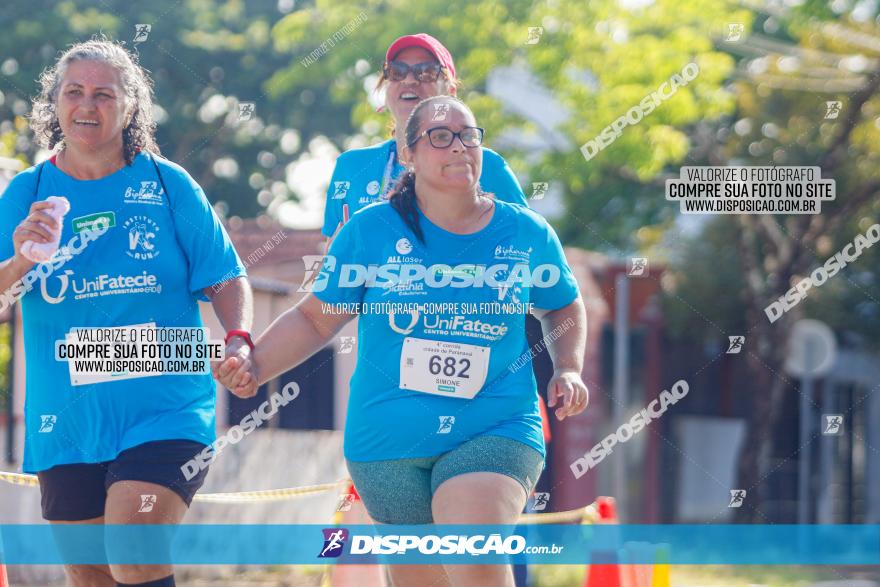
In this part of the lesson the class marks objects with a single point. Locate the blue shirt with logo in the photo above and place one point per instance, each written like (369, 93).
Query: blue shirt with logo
(364, 176)
(150, 266)
(387, 421)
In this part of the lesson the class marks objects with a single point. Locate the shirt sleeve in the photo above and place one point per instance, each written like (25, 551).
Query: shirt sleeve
(209, 252)
(546, 292)
(15, 203)
(332, 208)
(337, 283)
(498, 178)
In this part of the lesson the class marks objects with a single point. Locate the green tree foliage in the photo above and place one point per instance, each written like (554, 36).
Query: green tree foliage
(597, 58)
(205, 57)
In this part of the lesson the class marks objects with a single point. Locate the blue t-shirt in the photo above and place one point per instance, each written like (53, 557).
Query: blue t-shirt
(388, 421)
(364, 176)
(147, 268)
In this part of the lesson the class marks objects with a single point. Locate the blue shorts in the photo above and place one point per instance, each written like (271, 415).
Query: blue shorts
(399, 491)
(77, 492)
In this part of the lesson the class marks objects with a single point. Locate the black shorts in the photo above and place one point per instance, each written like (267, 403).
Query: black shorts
(77, 492)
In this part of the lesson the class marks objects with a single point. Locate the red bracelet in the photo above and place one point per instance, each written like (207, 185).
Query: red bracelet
(243, 334)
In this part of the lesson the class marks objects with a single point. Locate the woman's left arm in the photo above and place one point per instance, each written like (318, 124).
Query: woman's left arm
(233, 302)
(565, 332)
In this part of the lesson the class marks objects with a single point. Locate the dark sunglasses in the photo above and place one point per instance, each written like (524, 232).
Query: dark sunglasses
(441, 137)
(397, 71)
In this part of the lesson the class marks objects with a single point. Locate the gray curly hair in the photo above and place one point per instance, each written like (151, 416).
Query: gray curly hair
(138, 135)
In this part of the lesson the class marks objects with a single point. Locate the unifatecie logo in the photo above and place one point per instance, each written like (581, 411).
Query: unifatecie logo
(392, 322)
(56, 299)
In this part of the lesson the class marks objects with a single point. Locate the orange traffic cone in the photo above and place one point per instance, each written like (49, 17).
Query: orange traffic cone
(352, 511)
(603, 570)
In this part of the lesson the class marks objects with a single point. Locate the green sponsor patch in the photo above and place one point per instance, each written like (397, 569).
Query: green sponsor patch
(93, 221)
(462, 271)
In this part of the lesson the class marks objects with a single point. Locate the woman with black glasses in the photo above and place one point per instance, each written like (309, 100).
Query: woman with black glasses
(416, 67)
(442, 426)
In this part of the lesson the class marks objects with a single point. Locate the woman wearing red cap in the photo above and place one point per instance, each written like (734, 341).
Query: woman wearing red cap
(416, 67)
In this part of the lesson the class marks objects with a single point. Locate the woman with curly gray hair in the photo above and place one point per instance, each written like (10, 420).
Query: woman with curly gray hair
(142, 246)
(136, 95)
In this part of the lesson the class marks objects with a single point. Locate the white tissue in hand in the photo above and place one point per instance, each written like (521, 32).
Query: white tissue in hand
(42, 252)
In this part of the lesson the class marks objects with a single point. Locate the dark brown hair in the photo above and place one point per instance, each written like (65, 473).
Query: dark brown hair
(403, 195)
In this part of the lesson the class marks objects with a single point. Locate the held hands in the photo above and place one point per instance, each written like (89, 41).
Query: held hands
(567, 384)
(237, 372)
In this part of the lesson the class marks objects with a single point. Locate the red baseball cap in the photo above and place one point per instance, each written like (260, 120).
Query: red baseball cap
(425, 41)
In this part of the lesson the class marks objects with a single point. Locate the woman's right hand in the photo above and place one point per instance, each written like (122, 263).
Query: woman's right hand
(238, 375)
(35, 227)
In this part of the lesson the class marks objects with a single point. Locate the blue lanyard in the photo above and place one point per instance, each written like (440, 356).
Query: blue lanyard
(389, 168)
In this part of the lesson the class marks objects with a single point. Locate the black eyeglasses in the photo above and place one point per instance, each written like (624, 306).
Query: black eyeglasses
(397, 71)
(441, 137)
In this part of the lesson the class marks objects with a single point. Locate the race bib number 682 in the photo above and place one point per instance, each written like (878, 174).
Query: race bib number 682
(452, 369)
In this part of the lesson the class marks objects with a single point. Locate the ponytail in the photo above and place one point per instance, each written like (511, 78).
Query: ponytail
(403, 199)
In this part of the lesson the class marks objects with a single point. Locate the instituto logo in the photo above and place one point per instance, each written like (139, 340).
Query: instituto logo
(141, 233)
